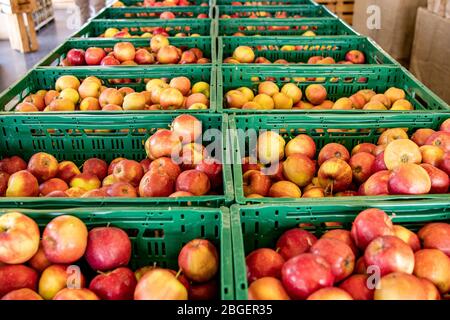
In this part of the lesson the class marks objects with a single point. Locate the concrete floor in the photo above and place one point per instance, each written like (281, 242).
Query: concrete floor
(13, 64)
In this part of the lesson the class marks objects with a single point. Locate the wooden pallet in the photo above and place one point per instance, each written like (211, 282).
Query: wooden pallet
(343, 8)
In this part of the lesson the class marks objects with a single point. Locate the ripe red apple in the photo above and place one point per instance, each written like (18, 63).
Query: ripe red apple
(142, 56)
(343, 235)
(156, 184)
(335, 175)
(43, 166)
(4, 177)
(109, 61)
(333, 150)
(355, 56)
(76, 57)
(409, 178)
(124, 51)
(64, 239)
(107, 248)
(294, 242)
(203, 291)
(213, 169)
(160, 284)
(51, 185)
(94, 56)
(122, 189)
(330, 294)
(263, 262)
(379, 164)
(436, 236)
(167, 166)
(390, 254)
(430, 289)
(377, 184)
(67, 170)
(96, 167)
(267, 288)
(364, 147)
(299, 169)
(439, 179)
(338, 254)
(187, 128)
(193, 181)
(198, 260)
(362, 164)
(357, 287)
(14, 277)
(168, 55)
(19, 237)
(22, 294)
(118, 284)
(371, 224)
(440, 139)
(22, 184)
(400, 286)
(57, 277)
(305, 274)
(129, 171)
(163, 143)
(421, 136)
(302, 144)
(39, 261)
(409, 237)
(75, 294)
(433, 265)
(12, 165)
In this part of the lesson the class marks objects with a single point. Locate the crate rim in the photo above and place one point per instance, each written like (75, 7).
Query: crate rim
(103, 12)
(318, 120)
(290, 7)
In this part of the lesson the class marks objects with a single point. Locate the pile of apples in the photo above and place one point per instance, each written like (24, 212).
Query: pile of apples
(170, 3)
(245, 54)
(165, 14)
(35, 269)
(260, 14)
(268, 96)
(396, 166)
(376, 260)
(260, 3)
(177, 166)
(125, 54)
(91, 95)
(148, 32)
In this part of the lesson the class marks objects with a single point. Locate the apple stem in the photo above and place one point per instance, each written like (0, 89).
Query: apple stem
(277, 250)
(178, 273)
(107, 225)
(154, 264)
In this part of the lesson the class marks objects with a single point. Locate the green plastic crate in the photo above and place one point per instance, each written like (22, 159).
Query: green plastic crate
(96, 27)
(339, 80)
(45, 78)
(335, 47)
(305, 11)
(158, 234)
(145, 12)
(321, 129)
(53, 58)
(72, 138)
(295, 27)
(255, 226)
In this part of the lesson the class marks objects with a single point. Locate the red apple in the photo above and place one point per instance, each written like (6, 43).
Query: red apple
(357, 287)
(338, 254)
(377, 184)
(142, 56)
(203, 291)
(145, 163)
(198, 260)
(439, 179)
(409, 178)
(262, 263)
(19, 238)
(267, 289)
(12, 165)
(129, 171)
(333, 150)
(400, 286)
(355, 56)
(193, 181)
(39, 261)
(213, 169)
(75, 294)
(109, 61)
(167, 166)
(163, 143)
(389, 254)
(362, 164)
(156, 184)
(335, 175)
(299, 169)
(160, 284)
(22, 294)
(22, 184)
(43, 166)
(371, 224)
(121, 189)
(343, 235)
(64, 239)
(330, 294)
(364, 147)
(433, 265)
(118, 284)
(294, 242)
(94, 56)
(107, 248)
(187, 128)
(436, 236)
(305, 274)
(4, 177)
(440, 139)
(14, 277)
(96, 167)
(76, 57)
(409, 237)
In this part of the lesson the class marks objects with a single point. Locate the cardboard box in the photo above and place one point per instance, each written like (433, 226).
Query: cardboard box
(431, 49)
(396, 24)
